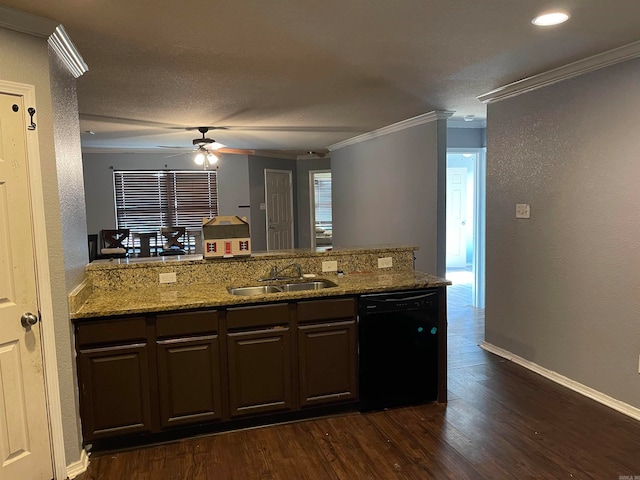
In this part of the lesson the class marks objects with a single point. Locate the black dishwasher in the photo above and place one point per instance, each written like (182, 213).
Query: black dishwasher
(398, 349)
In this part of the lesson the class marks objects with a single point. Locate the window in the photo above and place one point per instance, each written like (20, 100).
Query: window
(148, 200)
(323, 230)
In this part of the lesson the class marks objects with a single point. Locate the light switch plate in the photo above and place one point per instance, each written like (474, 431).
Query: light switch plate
(386, 262)
(330, 266)
(523, 210)
(168, 277)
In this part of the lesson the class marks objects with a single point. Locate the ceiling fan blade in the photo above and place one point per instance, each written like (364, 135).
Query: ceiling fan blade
(237, 151)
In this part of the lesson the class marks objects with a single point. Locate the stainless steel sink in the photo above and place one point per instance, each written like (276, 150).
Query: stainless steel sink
(259, 290)
(315, 285)
(287, 287)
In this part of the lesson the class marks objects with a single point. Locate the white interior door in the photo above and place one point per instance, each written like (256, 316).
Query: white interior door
(25, 451)
(279, 200)
(456, 217)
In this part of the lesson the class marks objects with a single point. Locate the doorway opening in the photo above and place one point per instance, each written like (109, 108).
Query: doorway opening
(321, 218)
(466, 174)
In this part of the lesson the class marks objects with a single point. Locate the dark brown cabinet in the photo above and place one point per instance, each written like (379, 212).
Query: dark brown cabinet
(327, 351)
(114, 379)
(259, 359)
(189, 376)
(152, 374)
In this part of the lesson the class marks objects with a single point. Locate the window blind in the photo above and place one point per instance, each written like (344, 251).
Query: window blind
(149, 200)
(322, 187)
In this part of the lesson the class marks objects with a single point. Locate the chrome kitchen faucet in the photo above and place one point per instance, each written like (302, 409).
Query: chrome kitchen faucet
(276, 274)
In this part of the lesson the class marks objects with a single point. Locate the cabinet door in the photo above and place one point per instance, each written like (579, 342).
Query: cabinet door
(114, 391)
(189, 380)
(259, 371)
(328, 357)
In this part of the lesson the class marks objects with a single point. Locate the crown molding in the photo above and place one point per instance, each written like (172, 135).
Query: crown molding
(404, 124)
(580, 67)
(26, 23)
(61, 43)
(53, 31)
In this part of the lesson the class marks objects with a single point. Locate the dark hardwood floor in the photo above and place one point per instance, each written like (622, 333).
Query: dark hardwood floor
(501, 422)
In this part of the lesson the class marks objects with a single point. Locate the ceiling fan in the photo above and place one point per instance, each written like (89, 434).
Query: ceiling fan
(207, 149)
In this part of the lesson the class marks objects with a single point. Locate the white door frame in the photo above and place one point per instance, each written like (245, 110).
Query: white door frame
(45, 301)
(266, 216)
(312, 204)
(479, 214)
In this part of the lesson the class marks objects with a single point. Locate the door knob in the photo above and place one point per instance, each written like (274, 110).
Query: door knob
(272, 227)
(28, 320)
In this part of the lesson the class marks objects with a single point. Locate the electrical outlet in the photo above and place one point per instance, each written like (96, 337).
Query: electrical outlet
(523, 210)
(330, 266)
(386, 262)
(168, 277)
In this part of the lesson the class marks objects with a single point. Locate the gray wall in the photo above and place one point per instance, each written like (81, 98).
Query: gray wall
(385, 191)
(466, 137)
(240, 187)
(562, 288)
(233, 182)
(25, 59)
(74, 234)
(304, 197)
(257, 166)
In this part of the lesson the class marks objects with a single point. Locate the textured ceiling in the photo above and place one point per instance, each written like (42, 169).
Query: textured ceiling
(299, 75)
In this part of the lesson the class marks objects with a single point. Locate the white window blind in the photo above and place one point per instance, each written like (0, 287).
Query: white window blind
(149, 200)
(322, 192)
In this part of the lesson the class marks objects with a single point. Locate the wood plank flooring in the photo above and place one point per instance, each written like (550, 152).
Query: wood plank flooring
(501, 422)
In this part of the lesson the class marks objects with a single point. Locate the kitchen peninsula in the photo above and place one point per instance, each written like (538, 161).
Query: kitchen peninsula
(164, 346)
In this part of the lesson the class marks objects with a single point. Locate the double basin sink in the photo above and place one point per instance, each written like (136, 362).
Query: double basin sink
(286, 287)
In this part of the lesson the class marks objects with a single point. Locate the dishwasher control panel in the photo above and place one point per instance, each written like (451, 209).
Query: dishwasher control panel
(410, 300)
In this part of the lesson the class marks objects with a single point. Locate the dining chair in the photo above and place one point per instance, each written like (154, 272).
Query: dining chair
(173, 240)
(114, 243)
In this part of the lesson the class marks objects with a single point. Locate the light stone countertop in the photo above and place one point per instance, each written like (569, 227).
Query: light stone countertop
(163, 298)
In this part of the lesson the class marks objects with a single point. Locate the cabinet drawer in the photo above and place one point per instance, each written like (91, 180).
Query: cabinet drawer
(186, 324)
(326, 309)
(106, 332)
(258, 316)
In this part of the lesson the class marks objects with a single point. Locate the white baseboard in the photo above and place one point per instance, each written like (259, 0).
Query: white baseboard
(78, 467)
(599, 397)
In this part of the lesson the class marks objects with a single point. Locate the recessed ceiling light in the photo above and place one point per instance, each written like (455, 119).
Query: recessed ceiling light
(553, 18)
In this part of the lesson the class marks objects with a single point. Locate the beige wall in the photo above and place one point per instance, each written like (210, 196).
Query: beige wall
(25, 59)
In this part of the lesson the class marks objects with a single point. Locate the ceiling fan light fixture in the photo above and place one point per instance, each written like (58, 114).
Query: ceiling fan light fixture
(551, 18)
(212, 158)
(199, 158)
